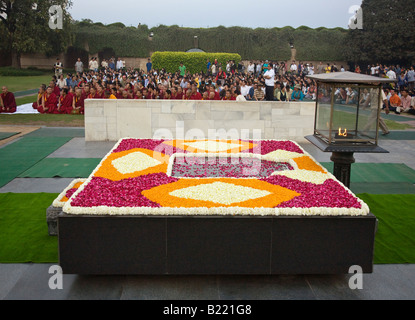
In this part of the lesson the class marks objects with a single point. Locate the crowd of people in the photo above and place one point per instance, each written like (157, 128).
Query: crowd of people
(255, 81)
(258, 81)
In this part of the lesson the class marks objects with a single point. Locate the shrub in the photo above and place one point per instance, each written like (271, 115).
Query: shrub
(194, 61)
(12, 72)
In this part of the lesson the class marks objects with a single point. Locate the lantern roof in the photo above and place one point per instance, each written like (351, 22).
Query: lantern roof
(349, 77)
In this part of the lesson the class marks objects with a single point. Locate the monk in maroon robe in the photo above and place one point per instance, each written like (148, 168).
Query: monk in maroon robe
(65, 102)
(49, 102)
(78, 104)
(55, 88)
(41, 93)
(7, 101)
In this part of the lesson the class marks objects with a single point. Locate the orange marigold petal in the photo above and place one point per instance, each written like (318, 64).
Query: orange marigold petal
(306, 163)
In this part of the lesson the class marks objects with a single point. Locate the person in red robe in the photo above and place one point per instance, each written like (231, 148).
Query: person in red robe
(173, 95)
(86, 90)
(92, 93)
(65, 104)
(7, 101)
(180, 94)
(100, 93)
(40, 94)
(213, 95)
(78, 102)
(228, 96)
(55, 88)
(49, 102)
(195, 95)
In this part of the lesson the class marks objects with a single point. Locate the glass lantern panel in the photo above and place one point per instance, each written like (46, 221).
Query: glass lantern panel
(345, 113)
(323, 111)
(370, 105)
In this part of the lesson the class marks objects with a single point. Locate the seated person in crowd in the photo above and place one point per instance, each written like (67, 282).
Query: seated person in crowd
(259, 94)
(239, 95)
(78, 102)
(7, 101)
(180, 93)
(92, 93)
(55, 88)
(113, 95)
(38, 102)
(213, 94)
(100, 92)
(351, 96)
(394, 102)
(298, 94)
(167, 94)
(86, 90)
(228, 96)
(138, 95)
(405, 101)
(194, 94)
(49, 102)
(65, 103)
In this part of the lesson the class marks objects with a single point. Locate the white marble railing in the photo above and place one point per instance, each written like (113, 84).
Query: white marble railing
(110, 120)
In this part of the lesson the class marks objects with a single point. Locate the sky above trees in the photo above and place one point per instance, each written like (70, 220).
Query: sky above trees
(213, 13)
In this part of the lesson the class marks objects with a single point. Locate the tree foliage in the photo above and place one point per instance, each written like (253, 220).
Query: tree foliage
(25, 28)
(388, 33)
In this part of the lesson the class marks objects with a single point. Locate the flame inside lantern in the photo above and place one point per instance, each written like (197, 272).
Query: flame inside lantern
(342, 134)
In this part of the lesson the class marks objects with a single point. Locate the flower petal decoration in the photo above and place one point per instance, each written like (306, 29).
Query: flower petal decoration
(211, 146)
(307, 163)
(304, 175)
(132, 163)
(210, 177)
(67, 193)
(188, 193)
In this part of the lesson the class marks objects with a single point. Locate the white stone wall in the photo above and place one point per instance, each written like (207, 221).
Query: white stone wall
(110, 120)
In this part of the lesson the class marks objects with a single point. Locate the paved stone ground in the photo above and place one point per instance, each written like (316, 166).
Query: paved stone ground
(30, 281)
(22, 129)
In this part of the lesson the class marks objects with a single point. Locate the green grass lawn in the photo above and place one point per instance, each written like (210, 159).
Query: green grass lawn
(24, 83)
(48, 120)
(27, 99)
(398, 126)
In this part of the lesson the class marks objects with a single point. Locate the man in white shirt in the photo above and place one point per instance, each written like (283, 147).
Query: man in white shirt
(269, 76)
(245, 88)
(79, 66)
(95, 64)
(310, 68)
(58, 68)
(391, 74)
(258, 68)
(251, 68)
(374, 70)
(293, 68)
(120, 64)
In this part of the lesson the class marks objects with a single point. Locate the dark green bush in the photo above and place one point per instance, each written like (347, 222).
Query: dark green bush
(250, 44)
(12, 72)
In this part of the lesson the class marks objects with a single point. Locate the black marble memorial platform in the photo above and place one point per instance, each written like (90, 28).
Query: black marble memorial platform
(215, 245)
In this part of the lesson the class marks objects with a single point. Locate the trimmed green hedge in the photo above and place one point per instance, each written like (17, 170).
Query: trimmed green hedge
(195, 62)
(251, 44)
(12, 72)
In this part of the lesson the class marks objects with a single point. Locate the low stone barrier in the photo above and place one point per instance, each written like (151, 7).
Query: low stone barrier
(110, 120)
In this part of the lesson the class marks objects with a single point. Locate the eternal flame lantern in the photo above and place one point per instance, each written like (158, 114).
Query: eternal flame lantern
(348, 107)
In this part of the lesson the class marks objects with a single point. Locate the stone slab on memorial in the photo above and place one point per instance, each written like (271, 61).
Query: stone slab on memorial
(213, 207)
